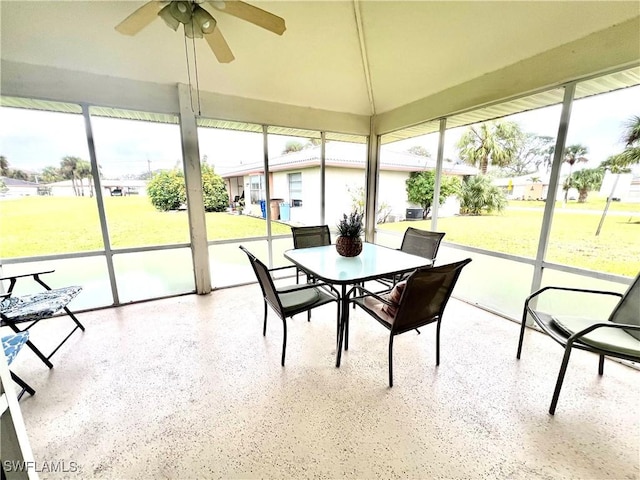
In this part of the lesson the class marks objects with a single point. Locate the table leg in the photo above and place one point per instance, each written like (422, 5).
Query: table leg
(344, 321)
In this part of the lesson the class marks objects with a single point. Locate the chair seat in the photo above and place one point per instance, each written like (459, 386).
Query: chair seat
(36, 306)
(11, 344)
(297, 299)
(604, 338)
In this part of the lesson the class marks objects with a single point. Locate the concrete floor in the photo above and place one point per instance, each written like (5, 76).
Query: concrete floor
(188, 388)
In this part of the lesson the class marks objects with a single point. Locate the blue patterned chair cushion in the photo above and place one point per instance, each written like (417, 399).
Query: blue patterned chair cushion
(38, 305)
(11, 344)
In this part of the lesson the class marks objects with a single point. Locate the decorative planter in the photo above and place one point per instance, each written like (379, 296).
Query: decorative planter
(349, 246)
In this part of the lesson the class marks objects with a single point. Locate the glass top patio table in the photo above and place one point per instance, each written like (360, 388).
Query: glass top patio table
(375, 261)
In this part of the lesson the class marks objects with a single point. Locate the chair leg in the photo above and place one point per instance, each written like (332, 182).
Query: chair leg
(24, 385)
(284, 341)
(522, 327)
(264, 328)
(390, 360)
(438, 343)
(308, 315)
(601, 365)
(563, 370)
(418, 331)
(73, 317)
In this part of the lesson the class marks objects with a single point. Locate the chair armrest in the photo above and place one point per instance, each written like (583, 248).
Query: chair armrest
(305, 286)
(26, 275)
(368, 294)
(36, 276)
(570, 289)
(590, 328)
(281, 268)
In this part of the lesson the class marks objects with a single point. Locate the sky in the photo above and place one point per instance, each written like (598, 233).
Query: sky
(33, 140)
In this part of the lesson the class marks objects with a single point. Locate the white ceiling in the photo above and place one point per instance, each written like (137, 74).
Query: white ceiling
(414, 49)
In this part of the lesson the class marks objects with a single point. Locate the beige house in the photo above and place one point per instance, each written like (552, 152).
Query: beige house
(294, 183)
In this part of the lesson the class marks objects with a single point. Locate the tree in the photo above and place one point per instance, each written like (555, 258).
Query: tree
(533, 151)
(480, 196)
(631, 154)
(83, 170)
(214, 190)
(68, 167)
(621, 162)
(292, 146)
(572, 155)
(167, 190)
(490, 143)
(420, 151)
(585, 181)
(51, 175)
(421, 189)
(4, 166)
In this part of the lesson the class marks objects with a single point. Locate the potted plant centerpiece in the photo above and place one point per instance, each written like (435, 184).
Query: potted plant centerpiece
(349, 243)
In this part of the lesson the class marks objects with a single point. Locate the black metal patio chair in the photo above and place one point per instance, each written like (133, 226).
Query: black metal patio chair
(617, 336)
(423, 243)
(313, 236)
(292, 299)
(418, 301)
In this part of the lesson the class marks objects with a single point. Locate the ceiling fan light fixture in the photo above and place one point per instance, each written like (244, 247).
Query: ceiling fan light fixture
(204, 20)
(192, 30)
(181, 11)
(168, 18)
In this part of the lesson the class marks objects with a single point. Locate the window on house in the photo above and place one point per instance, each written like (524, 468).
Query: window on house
(295, 189)
(257, 192)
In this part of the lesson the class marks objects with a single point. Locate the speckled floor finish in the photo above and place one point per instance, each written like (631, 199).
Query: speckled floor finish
(188, 388)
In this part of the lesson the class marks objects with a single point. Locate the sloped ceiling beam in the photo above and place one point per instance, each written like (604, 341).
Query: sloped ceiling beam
(363, 54)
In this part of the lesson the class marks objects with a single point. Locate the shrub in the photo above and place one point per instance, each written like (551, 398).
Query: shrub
(166, 190)
(480, 196)
(214, 190)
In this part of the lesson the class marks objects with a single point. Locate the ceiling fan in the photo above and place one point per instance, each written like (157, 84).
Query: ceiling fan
(198, 22)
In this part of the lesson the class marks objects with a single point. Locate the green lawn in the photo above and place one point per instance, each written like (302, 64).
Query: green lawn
(33, 226)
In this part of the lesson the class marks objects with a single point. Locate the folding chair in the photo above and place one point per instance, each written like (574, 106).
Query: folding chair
(32, 308)
(11, 345)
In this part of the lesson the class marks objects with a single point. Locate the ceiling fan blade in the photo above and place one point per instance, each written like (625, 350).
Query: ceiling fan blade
(252, 14)
(139, 19)
(219, 46)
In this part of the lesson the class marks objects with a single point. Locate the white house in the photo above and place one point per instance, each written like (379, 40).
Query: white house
(18, 188)
(294, 180)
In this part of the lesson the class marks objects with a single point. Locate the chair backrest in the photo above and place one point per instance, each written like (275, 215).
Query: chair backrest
(628, 308)
(266, 282)
(316, 236)
(425, 295)
(421, 242)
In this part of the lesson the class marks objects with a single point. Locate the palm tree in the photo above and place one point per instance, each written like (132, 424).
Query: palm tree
(68, 167)
(573, 154)
(51, 174)
(83, 170)
(621, 162)
(479, 196)
(585, 181)
(490, 143)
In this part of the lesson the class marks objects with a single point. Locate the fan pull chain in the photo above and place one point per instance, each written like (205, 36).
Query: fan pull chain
(186, 54)
(195, 62)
